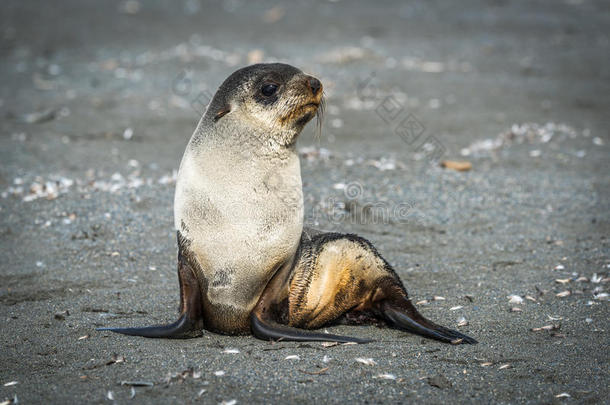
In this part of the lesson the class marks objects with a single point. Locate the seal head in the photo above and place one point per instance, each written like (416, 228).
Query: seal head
(275, 98)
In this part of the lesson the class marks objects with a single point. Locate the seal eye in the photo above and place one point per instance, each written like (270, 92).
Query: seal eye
(268, 89)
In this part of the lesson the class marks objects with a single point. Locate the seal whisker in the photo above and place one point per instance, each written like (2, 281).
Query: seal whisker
(320, 117)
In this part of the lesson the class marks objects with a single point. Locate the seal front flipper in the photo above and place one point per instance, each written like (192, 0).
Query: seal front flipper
(269, 330)
(404, 316)
(183, 328)
(190, 322)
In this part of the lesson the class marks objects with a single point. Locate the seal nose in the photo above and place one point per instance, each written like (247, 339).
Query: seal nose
(314, 85)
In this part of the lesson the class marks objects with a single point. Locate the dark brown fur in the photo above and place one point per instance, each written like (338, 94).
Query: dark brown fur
(341, 278)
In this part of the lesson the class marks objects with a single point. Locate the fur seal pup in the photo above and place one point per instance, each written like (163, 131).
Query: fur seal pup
(245, 262)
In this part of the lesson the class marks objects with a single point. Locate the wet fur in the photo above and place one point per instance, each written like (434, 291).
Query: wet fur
(341, 278)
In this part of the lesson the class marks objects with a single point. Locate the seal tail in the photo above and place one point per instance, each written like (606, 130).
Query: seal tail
(407, 318)
(269, 330)
(190, 322)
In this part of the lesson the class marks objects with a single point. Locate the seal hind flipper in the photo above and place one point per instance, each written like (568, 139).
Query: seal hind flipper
(190, 322)
(269, 330)
(408, 319)
(342, 275)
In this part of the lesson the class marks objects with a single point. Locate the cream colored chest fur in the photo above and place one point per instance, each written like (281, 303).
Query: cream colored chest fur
(243, 215)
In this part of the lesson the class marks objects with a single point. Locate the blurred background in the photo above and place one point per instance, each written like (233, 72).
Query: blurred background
(465, 71)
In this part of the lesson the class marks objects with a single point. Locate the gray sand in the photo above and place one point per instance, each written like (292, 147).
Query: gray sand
(103, 97)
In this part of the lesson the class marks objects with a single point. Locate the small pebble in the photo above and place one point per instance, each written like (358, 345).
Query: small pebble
(386, 376)
(515, 299)
(128, 134)
(535, 153)
(368, 361)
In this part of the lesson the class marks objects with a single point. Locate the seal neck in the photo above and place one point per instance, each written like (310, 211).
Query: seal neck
(235, 134)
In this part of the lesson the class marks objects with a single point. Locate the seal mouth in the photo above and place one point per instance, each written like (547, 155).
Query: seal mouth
(307, 109)
(301, 114)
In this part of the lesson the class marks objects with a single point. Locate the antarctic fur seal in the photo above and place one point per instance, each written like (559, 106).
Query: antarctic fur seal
(245, 262)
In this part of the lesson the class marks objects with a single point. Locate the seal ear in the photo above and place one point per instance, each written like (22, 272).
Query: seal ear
(190, 322)
(222, 112)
